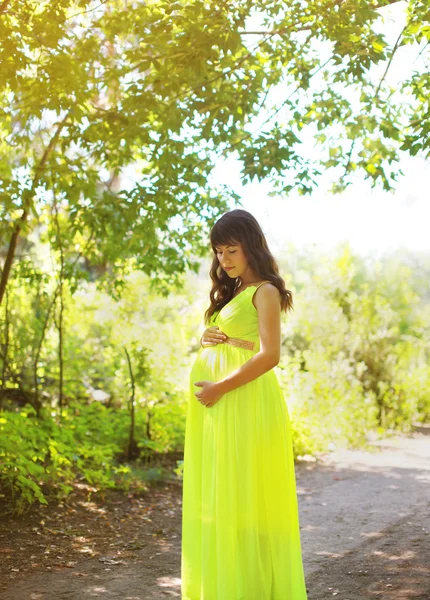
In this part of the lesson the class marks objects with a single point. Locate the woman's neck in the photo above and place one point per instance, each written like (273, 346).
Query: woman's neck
(241, 282)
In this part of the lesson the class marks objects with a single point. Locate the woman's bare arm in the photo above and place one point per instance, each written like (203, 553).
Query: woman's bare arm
(268, 305)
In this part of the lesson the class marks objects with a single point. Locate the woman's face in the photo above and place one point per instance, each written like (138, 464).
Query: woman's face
(232, 259)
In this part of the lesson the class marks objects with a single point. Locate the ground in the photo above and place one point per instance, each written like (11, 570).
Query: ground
(364, 518)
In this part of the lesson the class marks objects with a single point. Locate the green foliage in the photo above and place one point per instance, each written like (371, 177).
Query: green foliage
(41, 456)
(354, 362)
(90, 88)
(356, 352)
(43, 459)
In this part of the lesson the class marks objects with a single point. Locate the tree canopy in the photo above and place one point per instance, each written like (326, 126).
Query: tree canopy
(90, 87)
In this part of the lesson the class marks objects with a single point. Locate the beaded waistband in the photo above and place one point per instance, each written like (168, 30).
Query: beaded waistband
(240, 343)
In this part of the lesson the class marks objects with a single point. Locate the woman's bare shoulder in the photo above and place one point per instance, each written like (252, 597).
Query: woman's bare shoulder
(269, 291)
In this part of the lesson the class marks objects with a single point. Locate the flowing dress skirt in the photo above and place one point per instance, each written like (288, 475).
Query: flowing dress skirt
(240, 524)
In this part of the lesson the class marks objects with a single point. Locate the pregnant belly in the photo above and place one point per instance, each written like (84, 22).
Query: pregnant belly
(215, 362)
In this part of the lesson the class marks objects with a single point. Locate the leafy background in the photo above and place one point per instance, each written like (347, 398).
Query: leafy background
(103, 285)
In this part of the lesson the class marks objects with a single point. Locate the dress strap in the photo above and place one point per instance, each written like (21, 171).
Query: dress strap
(255, 291)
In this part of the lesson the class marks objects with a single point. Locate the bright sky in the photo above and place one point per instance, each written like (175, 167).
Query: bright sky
(372, 221)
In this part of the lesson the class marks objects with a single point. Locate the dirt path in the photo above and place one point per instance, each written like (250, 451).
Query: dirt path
(364, 515)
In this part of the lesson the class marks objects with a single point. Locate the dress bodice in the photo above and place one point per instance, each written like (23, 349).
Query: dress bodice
(239, 317)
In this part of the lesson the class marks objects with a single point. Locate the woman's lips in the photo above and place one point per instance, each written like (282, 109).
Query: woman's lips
(229, 268)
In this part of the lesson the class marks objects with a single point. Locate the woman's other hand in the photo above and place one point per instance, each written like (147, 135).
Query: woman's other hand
(212, 336)
(210, 393)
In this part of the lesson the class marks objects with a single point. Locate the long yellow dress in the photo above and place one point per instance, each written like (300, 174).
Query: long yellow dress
(240, 521)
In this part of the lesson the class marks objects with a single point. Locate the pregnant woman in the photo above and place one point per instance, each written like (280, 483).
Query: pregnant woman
(240, 523)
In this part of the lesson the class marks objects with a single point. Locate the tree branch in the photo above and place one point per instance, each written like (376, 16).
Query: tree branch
(275, 113)
(27, 198)
(276, 31)
(335, 3)
(395, 47)
(3, 6)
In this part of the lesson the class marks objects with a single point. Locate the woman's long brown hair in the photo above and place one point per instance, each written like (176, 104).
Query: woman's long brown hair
(238, 226)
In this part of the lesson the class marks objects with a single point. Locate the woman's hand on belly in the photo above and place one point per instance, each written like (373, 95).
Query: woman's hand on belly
(210, 393)
(212, 336)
